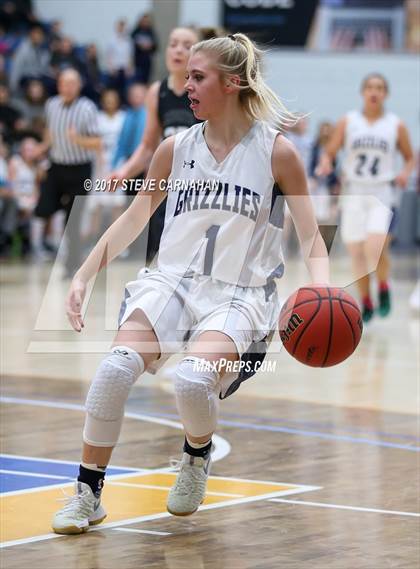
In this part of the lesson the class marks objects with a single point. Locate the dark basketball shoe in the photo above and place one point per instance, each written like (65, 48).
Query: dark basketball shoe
(367, 313)
(384, 307)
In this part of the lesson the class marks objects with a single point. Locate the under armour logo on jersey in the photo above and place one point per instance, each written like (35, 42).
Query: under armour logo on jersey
(190, 164)
(121, 352)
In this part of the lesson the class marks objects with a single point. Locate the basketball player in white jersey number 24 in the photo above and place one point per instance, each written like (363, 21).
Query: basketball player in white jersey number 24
(213, 290)
(371, 140)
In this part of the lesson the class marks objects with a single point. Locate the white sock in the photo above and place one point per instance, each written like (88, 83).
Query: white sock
(197, 445)
(93, 467)
(37, 227)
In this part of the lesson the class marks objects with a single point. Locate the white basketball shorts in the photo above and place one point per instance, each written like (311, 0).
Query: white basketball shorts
(364, 215)
(180, 308)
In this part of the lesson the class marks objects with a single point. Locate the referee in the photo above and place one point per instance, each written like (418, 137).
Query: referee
(72, 138)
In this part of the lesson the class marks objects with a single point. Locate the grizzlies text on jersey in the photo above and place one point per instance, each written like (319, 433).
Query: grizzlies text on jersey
(370, 148)
(223, 219)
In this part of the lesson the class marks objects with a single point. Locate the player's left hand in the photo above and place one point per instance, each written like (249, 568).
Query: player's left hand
(324, 166)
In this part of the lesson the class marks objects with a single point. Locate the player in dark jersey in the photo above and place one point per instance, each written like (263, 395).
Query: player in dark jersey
(174, 110)
(168, 112)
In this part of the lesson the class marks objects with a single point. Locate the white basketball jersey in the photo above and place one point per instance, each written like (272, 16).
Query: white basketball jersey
(223, 219)
(370, 149)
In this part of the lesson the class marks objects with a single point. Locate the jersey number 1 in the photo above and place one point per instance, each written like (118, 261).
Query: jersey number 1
(211, 235)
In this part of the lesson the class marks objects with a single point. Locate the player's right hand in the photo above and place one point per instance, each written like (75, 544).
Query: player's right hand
(324, 167)
(74, 302)
(117, 175)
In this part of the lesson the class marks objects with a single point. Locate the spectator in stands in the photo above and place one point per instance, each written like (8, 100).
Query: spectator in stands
(8, 205)
(4, 76)
(10, 118)
(55, 32)
(7, 42)
(133, 126)
(65, 56)
(16, 15)
(24, 178)
(130, 137)
(92, 74)
(119, 59)
(110, 121)
(145, 45)
(31, 59)
(31, 104)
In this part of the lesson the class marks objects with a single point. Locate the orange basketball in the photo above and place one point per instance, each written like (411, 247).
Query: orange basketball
(320, 326)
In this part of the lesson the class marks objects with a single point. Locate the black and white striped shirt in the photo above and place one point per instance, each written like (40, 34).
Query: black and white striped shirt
(81, 115)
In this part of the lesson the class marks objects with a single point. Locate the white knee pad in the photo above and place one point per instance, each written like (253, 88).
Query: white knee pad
(196, 392)
(107, 395)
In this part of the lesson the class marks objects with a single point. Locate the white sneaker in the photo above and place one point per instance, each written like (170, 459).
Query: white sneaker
(81, 511)
(189, 489)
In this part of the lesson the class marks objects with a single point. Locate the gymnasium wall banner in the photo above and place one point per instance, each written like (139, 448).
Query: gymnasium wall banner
(360, 25)
(331, 25)
(273, 22)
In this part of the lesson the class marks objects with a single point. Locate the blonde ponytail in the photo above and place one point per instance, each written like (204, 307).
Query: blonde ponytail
(237, 55)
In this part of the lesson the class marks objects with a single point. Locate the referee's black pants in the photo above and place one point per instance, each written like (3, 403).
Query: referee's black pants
(63, 183)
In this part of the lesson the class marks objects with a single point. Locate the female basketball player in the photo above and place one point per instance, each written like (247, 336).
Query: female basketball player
(168, 112)
(214, 286)
(371, 139)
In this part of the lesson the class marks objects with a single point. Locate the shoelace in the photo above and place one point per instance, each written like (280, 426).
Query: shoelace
(75, 501)
(183, 481)
(175, 464)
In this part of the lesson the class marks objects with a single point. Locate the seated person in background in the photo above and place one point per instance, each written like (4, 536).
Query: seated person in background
(24, 175)
(110, 121)
(64, 56)
(8, 205)
(30, 60)
(10, 118)
(31, 104)
(133, 126)
(119, 58)
(92, 74)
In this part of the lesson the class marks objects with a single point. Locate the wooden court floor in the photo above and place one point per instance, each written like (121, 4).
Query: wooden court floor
(314, 468)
